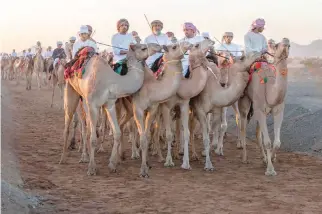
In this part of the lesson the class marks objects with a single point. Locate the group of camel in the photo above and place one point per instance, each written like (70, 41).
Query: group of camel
(17, 68)
(147, 107)
(154, 104)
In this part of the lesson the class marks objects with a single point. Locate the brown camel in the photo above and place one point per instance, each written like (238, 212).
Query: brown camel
(39, 67)
(27, 69)
(101, 86)
(17, 69)
(48, 62)
(265, 94)
(199, 66)
(212, 99)
(154, 92)
(58, 79)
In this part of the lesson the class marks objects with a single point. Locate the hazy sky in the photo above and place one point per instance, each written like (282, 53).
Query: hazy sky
(23, 22)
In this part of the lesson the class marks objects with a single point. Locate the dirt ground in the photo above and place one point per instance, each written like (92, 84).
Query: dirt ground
(232, 188)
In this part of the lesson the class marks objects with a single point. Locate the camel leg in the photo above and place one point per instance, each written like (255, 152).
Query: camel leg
(223, 128)
(260, 142)
(82, 117)
(102, 130)
(215, 127)
(209, 120)
(93, 117)
(184, 116)
(237, 117)
(111, 113)
(72, 144)
(133, 139)
(139, 119)
(192, 126)
(71, 103)
(202, 117)
(55, 80)
(60, 85)
(38, 80)
(261, 117)
(167, 123)
(278, 113)
(177, 142)
(243, 106)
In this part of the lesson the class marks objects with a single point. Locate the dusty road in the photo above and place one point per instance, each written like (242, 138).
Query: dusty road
(36, 140)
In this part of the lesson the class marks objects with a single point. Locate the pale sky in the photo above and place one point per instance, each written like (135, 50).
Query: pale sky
(23, 22)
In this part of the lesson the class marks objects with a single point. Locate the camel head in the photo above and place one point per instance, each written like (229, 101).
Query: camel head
(28, 62)
(282, 49)
(143, 51)
(201, 48)
(176, 51)
(225, 61)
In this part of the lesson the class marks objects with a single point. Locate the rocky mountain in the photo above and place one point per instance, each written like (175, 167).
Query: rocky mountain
(312, 50)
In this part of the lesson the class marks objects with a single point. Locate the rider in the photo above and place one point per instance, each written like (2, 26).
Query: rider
(83, 41)
(14, 54)
(90, 32)
(48, 53)
(69, 47)
(255, 41)
(158, 38)
(58, 53)
(38, 48)
(227, 45)
(121, 40)
(191, 36)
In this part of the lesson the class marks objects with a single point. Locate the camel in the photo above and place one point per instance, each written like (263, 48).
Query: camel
(17, 68)
(212, 99)
(199, 66)
(58, 79)
(7, 67)
(48, 62)
(101, 86)
(27, 69)
(154, 92)
(265, 94)
(39, 67)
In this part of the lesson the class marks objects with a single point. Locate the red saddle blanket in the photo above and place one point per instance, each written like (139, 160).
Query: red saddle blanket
(77, 65)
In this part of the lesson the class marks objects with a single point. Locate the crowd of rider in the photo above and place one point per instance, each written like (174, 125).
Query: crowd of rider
(254, 41)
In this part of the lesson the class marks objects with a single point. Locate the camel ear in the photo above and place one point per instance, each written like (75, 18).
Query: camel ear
(132, 47)
(165, 48)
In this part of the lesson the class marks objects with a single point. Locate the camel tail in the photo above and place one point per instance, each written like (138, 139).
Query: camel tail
(250, 112)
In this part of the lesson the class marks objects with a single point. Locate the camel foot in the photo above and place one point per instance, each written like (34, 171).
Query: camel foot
(101, 149)
(169, 162)
(144, 172)
(112, 167)
(245, 161)
(91, 170)
(194, 156)
(72, 145)
(160, 159)
(239, 145)
(208, 166)
(63, 159)
(84, 158)
(270, 172)
(219, 151)
(135, 155)
(203, 153)
(185, 165)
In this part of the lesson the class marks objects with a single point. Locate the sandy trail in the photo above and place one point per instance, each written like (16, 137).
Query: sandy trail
(232, 188)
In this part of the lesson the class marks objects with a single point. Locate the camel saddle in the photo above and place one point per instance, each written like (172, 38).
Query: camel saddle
(120, 67)
(77, 65)
(258, 66)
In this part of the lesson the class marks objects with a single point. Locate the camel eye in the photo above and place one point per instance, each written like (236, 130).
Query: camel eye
(143, 49)
(174, 47)
(197, 45)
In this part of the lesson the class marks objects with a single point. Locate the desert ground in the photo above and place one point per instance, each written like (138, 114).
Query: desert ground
(34, 182)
